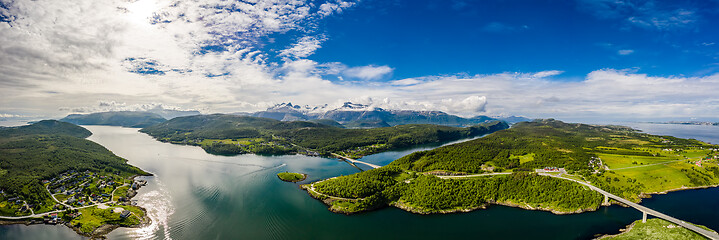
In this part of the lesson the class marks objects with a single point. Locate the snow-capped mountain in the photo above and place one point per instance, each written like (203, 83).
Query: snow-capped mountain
(354, 114)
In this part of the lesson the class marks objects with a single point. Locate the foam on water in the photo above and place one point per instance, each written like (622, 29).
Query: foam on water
(158, 204)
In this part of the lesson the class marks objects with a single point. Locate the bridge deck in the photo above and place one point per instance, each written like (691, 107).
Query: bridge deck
(356, 161)
(649, 211)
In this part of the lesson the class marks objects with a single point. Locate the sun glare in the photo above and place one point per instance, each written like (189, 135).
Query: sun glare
(140, 11)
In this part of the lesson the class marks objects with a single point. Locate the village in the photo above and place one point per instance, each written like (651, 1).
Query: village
(71, 192)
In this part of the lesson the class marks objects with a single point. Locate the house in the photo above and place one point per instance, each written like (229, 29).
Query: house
(75, 214)
(125, 214)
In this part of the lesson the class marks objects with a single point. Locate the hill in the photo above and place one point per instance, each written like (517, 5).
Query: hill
(45, 127)
(123, 118)
(617, 159)
(231, 134)
(45, 150)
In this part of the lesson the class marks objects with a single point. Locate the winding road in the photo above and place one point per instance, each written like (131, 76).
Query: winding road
(33, 215)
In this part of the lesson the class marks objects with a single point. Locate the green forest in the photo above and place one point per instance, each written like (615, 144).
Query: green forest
(429, 194)
(43, 150)
(225, 134)
(617, 159)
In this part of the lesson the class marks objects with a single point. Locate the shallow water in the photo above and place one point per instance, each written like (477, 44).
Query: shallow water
(195, 195)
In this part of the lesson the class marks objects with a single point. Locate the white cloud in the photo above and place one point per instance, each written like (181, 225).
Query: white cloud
(471, 105)
(370, 72)
(194, 54)
(304, 47)
(655, 15)
(625, 51)
(498, 27)
(7, 115)
(405, 82)
(549, 73)
(71, 54)
(327, 9)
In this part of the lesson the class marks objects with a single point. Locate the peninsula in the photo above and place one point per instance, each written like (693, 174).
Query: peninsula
(231, 135)
(539, 165)
(50, 174)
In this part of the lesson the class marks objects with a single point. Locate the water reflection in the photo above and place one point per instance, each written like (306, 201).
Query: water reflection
(194, 195)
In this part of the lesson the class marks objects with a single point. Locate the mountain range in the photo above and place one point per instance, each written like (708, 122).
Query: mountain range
(355, 115)
(121, 118)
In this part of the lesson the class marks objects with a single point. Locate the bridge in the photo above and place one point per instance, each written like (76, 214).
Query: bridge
(645, 210)
(353, 161)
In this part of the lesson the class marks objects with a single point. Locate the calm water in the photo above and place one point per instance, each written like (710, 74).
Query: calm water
(194, 195)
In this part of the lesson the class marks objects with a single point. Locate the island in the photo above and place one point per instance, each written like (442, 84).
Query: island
(689, 123)
(540, 165)
(292, 177)
(50, 174)
(231, 135)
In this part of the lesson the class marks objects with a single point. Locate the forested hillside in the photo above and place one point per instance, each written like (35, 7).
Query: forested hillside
(41, 151)
(47, 127)
(120, 118)
(230, 134)
(617, 159)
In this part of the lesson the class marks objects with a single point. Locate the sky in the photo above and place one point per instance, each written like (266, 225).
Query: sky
(572, 59)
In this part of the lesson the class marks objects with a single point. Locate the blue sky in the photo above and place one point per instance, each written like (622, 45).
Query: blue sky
(574, 59)
(422, 37)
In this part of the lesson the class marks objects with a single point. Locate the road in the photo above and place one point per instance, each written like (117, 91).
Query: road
(312, 188)
(53, 197)
(356, 161)
(33, 215)
(474, 175)
(649, 211)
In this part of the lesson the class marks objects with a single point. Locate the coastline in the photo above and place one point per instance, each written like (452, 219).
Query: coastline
(105, 229)
(327, 200)
(621, 231)
(100, 231)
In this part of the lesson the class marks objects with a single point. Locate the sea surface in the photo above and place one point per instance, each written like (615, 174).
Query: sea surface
(195, 195)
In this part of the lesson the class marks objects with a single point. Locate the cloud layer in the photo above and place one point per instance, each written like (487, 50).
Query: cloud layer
(210, 55)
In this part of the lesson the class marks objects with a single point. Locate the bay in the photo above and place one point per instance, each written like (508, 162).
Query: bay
(195, 195)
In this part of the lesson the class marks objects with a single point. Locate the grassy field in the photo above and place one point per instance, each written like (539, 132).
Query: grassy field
(617, 161)
(120, 192)
(656, 228)
(238, 141)
(93, 217)
(61, 197)
(661, 173)
(524, 158)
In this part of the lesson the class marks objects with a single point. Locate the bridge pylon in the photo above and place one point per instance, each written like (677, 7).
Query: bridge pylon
(606, 200)
(644, 217)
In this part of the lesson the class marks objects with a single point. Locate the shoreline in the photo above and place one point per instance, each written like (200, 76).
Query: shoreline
(621, 231)
(304, 177)
(406, 207)
(100, 231)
